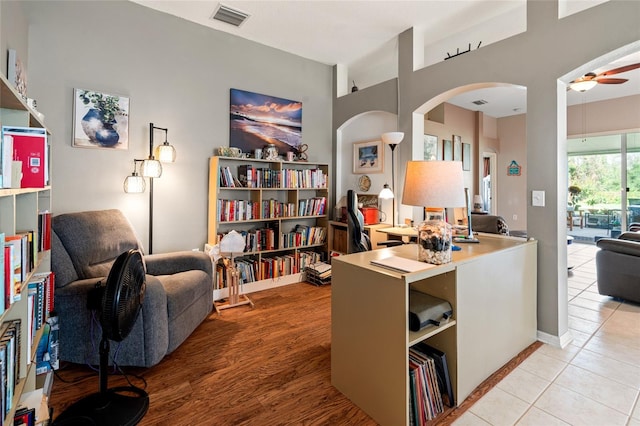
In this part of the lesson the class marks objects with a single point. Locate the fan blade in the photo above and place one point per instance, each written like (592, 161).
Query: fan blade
(620, 70)
(611, 80)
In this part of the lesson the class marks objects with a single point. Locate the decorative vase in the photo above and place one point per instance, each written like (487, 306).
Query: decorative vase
(434, 242)
(98, 130)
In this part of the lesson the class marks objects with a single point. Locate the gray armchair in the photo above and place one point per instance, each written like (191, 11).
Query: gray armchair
(179, 292)
(618, 266)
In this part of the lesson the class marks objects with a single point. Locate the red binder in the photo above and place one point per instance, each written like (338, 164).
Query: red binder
(30, 147)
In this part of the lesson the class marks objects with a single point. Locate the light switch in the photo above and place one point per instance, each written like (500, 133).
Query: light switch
(537, 198)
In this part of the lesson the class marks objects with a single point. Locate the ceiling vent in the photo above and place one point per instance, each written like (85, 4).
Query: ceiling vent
(230, 16)
(480, 102)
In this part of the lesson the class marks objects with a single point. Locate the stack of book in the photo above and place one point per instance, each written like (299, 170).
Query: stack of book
(429, 380)
(318, 273)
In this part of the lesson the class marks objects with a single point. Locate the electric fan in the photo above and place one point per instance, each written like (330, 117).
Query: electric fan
(118, 302)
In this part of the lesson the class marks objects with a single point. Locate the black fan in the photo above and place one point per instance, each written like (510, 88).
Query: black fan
(118, 302)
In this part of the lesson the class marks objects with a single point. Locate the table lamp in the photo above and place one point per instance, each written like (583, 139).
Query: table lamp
(434, 184)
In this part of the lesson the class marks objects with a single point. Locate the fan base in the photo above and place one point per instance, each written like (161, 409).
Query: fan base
(112, 407)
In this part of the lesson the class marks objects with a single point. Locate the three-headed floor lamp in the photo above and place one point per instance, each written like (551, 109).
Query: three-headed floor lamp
(392, 139)
(151, 168)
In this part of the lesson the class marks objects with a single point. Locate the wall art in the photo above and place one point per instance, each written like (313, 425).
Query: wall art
(466, 156)
(257, 120)
(100, 120)
(368, 157)
(431, 151)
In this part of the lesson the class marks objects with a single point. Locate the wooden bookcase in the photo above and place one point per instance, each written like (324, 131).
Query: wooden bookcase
(19, 210)
(286, 186)
(491, 287)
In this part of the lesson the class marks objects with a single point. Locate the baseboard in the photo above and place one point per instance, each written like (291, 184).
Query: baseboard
(260, 285)
(556, 341)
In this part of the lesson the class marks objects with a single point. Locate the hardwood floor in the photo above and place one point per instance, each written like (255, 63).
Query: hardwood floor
(269, 365)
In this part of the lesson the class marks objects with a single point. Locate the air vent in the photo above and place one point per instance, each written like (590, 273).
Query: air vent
(230, 16)
(480, 102)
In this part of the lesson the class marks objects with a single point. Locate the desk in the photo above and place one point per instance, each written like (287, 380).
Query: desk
(404, 233)
(338, 236)
(492, 289)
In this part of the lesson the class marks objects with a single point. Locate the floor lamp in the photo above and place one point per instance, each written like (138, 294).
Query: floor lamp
(151, 168)
(392, 139)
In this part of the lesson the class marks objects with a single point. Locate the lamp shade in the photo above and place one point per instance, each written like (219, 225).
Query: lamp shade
(151, 168)
(392, 138)
(165, 153)
(583, 85)
(134, 184)
(434, 184)
(386, 193)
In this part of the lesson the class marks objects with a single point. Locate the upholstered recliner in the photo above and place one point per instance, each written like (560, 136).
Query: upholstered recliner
(489, 223)
(179, 291)
(618, 266)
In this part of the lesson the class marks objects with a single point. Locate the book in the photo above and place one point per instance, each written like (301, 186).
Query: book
(30, 147)
(402, 264)
(442, 370)
(6, 161)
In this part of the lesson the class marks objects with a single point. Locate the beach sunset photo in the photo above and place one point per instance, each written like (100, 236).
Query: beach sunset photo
(257, 120)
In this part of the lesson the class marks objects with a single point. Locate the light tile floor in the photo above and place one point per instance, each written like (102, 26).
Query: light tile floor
(595, 380)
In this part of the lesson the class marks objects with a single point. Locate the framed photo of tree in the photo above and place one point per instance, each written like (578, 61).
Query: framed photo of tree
(447, 150)
(457, 148)
(431, 151)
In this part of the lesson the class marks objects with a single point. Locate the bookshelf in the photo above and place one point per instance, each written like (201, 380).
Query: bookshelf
(20, 210)
(491, 287)
(281, 208)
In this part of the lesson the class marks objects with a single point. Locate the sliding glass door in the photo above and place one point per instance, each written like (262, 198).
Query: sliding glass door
(604, 184)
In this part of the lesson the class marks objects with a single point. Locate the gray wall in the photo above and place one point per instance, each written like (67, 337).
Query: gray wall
(177, 75)
(541, 59)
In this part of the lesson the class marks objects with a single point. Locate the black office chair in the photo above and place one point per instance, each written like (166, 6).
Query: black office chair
(357, 239)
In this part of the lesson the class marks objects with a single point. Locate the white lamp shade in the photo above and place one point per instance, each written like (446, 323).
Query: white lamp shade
(583, 85)
(151, 168)
(386, 193)
(165, 153)
(134, 184)
(392, 138)
(434, 184)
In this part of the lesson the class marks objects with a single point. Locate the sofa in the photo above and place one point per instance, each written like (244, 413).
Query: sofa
(618, 266)
(178, 297)
(491, 224)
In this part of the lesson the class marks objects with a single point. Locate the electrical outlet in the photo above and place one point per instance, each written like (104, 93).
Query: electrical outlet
(515, 217)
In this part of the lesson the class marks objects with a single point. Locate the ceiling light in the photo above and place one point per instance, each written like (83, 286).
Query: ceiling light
(583, 85)
(229, 15)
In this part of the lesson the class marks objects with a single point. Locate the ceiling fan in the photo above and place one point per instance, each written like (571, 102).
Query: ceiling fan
(591, 79)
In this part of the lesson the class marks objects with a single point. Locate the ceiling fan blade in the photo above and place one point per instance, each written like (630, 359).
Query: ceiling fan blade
(611, 80)
(620, 70)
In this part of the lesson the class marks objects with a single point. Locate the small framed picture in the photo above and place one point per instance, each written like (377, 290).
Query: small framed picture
(368, 157)
(100, 120)
(457, 148)
(431, 151)
(466, 156)
(447, 150)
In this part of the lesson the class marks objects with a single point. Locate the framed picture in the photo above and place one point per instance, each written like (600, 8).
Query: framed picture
(257, 120)
(100, 120)
(16, 73)
(457, 148)
(447, 150)
(466, 156)
(431, 151)
(368, 157)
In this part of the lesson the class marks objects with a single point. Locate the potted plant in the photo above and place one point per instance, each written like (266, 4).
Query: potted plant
(98, 123)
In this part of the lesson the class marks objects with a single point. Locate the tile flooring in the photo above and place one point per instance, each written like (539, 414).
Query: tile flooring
(593, 381)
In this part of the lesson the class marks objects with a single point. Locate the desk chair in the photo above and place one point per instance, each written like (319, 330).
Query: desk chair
(357, 239)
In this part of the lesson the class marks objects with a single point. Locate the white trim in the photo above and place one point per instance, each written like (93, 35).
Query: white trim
(260, 285)
(558, 342)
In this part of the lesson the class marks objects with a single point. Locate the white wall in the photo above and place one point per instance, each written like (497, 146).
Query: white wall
(177, 75)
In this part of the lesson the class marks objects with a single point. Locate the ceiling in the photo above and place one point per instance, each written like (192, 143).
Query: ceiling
(345, 32)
